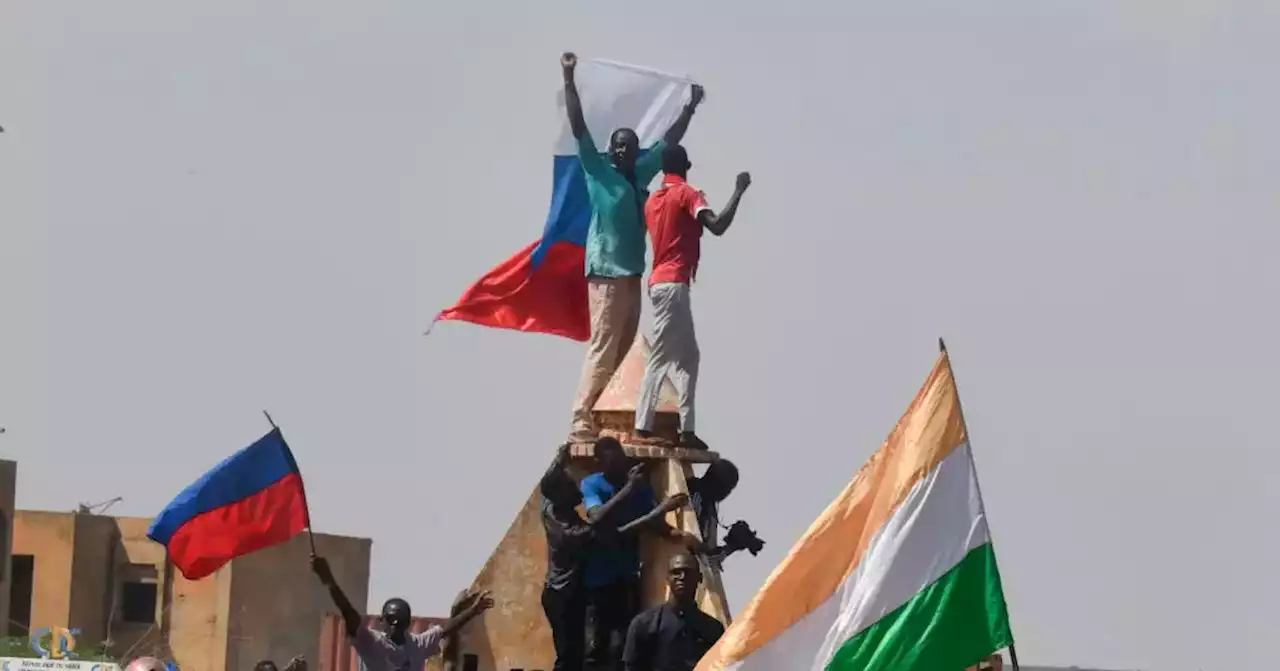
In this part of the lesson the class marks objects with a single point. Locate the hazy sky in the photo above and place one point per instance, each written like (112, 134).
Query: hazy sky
(207, 209)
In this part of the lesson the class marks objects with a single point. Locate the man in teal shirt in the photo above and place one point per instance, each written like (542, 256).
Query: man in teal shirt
(618, 188)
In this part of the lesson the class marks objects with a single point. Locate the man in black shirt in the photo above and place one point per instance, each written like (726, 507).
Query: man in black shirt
(673, 636)
(705, 495)
(569, 539)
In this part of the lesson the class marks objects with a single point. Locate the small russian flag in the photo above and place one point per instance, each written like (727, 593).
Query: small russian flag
(253, 500)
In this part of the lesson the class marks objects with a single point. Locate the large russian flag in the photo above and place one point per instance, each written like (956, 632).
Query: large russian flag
(253, 500)
(543, 288)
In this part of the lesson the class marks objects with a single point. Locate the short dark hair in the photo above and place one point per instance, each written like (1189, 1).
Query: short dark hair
(613, 137)
(558, 487)
(265, 665)
(395, 600)
(609, 443)
(675, 160)
(722, 468)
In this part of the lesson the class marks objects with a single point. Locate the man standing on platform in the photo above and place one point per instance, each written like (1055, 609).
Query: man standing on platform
(675, 216)
(613, 569)
(675, 635)
(617, 188)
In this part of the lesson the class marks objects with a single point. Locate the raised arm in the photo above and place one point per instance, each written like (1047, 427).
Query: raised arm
(479, 603)
(558, 464)
(677, 130)
(572, 103)
(671, 503)
(599, 509)
(350, 616)
(719, 223)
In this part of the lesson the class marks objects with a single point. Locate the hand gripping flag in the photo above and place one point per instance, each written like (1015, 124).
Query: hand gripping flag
(543, 288)
(251, 501)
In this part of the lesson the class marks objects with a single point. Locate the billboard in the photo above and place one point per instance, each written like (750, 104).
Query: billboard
(26, 664)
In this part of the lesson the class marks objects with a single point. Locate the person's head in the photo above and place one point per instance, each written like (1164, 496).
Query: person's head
(396, 616)
(675, 161)
(266, 665)
(560, 489)
(683, 577)
(719, 480)
(613, 459)
(624, 148)
(145, 664)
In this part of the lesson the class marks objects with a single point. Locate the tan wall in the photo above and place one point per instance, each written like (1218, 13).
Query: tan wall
(50, 538)
(92, 573)
(133, 547)
(197, 622)
(515, 634)
(276, 601)
(8, 488)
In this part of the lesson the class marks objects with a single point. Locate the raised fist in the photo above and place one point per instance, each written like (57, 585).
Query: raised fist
(569, 60)
(697, 95)
(744, 181)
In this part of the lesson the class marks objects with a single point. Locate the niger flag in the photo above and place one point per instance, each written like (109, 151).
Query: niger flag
(898, 574)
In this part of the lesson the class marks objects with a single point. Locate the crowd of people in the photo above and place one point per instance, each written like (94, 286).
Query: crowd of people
(592, 592)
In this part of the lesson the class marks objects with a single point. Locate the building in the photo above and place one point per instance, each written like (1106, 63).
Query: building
(8, 485)
(103, 576)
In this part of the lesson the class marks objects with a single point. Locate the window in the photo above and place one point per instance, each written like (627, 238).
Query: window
(139, 590)
(23, 572)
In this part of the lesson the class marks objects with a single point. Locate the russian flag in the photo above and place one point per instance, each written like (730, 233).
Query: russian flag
(543, 288)
(253, 500)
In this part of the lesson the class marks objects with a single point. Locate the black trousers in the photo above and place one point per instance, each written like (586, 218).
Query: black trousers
(566, 611)
(610, 609)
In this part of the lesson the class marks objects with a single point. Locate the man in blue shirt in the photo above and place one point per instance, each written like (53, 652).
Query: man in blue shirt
(613, 568)
(618, 189)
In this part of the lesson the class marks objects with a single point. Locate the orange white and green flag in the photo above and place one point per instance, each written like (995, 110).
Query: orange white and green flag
(898, 574)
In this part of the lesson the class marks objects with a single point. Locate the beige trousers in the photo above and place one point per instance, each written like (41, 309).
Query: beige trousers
(615, 318)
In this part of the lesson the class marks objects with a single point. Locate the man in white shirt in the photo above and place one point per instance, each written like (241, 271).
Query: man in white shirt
(396, 648)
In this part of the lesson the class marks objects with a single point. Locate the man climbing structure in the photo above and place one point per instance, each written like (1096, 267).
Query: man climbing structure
(615, 246)
(615, 497)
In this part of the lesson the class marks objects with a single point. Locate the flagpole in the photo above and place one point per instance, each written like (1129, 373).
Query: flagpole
(982, 506)
(302, 486)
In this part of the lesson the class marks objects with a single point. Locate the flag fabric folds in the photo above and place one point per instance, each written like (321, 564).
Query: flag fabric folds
(252, 500)
(898, 573)
(543, 288)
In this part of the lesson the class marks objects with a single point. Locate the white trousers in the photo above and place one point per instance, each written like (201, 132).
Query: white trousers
(674, 354)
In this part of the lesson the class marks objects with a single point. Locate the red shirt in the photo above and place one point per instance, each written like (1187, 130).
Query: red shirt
(672, 217)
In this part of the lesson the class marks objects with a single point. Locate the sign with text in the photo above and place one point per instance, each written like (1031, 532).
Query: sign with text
(24, 664)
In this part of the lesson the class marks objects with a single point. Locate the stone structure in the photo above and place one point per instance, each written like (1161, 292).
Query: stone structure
(515, 635)
(103, 576)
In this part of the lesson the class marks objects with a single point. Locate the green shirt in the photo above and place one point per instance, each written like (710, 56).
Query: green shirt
(615, 241)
